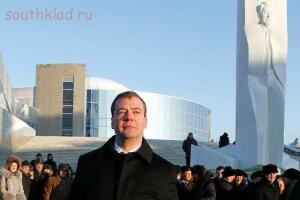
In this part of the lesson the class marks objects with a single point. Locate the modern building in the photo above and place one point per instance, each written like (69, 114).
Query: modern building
(59, 99)
(169, 117)
(66, 103)
(16, 119)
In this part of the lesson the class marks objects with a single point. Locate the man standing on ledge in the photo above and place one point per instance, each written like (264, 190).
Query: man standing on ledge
(186, 147)
(125, 167)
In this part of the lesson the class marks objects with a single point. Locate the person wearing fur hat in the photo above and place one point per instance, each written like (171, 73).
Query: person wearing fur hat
(240, 184)
(58, 187)
(268, 188)
(225, 190)
(11, 187)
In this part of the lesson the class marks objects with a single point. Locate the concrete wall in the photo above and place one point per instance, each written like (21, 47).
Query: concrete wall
(48, 99)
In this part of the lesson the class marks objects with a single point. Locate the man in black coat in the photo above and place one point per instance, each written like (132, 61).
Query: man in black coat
(186, 147)
(125, 167)
(268, 188)
(225, 189)
(26, 181)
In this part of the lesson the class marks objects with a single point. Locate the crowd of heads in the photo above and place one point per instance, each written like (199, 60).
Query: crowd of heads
(228, 183)
(31, 178)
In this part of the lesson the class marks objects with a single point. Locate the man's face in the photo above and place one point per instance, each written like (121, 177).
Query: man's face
(238, 179)
(219, 173)
(188, 175)
(129, 121)
(25, 169)
(62, 173)
(48, 171)
(230, 179)
(39, 166)
(271, 177)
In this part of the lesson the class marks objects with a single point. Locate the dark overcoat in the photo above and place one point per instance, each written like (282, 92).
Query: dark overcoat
(103, 175)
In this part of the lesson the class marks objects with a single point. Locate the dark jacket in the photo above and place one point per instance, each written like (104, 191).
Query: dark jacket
(57, 188)
(26, 184)
(267, 191)
(295, 192)
(144, 175)
(52, 164)
(186, 146)
(37, 185)
(205, 190)
(225, 191)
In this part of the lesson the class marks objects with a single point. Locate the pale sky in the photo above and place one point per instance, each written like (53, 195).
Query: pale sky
(181, 48)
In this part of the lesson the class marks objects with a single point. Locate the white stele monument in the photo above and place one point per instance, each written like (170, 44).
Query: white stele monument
(261, 67)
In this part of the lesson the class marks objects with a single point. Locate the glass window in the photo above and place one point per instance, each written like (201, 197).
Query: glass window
(67, 109)
(87, 132)
(67, 121)
(68, 95)
(68, 85)
(88, 109)
(88, 95)
(66, 132)
(95, 96)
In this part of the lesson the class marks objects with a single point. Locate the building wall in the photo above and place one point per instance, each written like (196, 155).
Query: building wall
(24, 95)
(49, 98)
(169, 118)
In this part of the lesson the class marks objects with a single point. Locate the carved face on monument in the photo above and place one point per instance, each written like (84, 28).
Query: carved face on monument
(263, 14)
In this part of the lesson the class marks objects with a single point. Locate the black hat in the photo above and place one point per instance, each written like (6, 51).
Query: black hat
(47, 166)
(228, 172)
(38, 160)
(256, 174)
(63, 167)
(270, 168)
(26, 163)
(239, 172)
(292, 173)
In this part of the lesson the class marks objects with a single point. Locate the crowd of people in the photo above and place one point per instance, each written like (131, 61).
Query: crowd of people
(43, 180)
(198, 183)
(35, 180)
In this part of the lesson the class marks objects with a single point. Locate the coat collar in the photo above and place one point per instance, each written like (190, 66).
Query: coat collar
(144, 152)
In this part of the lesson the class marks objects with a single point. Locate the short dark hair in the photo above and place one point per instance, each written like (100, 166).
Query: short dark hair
(26, 163)
(127, 94)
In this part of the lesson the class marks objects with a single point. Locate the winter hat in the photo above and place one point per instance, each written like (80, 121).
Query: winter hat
(228, 172)
(292, 173)
(256, 174)
(39, 160)
(47, 166)
(13, 159)
(239, 172)
(270, 168)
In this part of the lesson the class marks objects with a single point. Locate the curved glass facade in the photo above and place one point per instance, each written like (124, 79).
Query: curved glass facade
(169, 118)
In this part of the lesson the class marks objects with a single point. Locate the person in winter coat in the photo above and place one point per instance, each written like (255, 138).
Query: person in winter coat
(38, 181)
(186, 147)
(204, 188)
(58, 187)
(268, 187)
(26, 180)
(225, 190)
(51, 162)
(11, 187)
